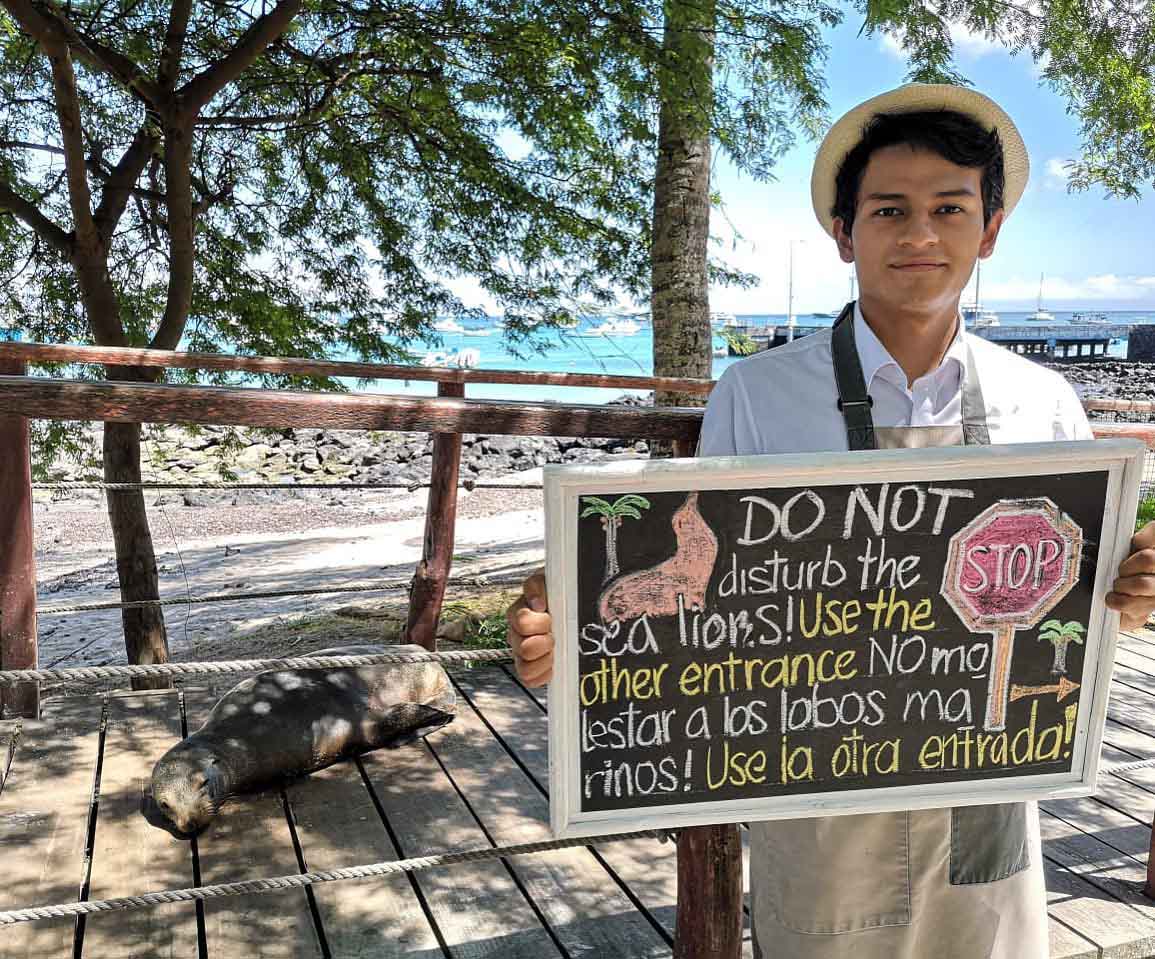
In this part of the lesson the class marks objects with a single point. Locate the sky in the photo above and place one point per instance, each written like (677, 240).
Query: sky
(1093, 251)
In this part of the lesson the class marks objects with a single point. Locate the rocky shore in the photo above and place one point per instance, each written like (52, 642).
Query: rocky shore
(220, 454)
(1110, 379)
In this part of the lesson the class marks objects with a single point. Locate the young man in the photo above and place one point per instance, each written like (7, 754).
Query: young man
(913, 186)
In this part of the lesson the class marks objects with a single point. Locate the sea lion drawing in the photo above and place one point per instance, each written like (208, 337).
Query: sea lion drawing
(284, 723)
(655, 591)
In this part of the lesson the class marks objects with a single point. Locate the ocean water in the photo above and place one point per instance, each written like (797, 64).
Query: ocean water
(622, 355)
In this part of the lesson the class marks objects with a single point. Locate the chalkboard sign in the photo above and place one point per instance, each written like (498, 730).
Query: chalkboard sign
(780, 636)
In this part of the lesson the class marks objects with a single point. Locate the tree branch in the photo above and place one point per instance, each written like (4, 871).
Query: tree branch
(48, 26)
(25, 145)
(178, 147)
(206, 85)
(121, 183)
(14, 203)
(174, 37)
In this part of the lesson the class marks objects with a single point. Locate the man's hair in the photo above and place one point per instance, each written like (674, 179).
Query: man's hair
(952, 135)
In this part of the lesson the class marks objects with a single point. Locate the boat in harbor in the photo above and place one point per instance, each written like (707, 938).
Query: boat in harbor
(457, 359)
(723, 320)
(448, 326)
(1097, 318)
(1040, 315)
(612, 327)
(974, 315)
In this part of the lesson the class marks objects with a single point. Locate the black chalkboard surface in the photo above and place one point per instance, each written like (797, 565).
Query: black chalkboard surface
(764, 637)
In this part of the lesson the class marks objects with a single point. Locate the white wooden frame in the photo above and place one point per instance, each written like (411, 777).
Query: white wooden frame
(1121, 458)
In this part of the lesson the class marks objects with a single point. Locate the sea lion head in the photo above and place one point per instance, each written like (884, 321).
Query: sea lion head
(188, 786)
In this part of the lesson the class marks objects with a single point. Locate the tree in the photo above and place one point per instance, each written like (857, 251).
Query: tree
(1061, 635)
(612, 514)
(303, 182)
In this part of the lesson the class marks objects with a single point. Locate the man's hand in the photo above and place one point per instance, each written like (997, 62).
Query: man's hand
(1133, 595)
(530, 632)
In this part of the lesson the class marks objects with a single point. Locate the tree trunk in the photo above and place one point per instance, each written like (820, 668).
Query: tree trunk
(144, 631)
(681, 220)
(709, 920)
(1060, 665)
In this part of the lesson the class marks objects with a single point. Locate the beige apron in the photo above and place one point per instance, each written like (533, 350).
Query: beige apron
(961, 883)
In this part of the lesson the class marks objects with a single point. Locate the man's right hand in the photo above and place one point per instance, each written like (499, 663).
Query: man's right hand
(530, 632)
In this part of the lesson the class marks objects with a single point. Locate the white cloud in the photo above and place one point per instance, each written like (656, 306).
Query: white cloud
(967, 43)
(1056, 173)
(1100, 287)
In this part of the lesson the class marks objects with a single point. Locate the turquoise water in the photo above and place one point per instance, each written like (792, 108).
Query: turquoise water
(628, 355)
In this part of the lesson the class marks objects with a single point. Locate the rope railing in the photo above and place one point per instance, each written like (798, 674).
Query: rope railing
(11, 677)
(237, 597)
(300, 880)
(466, 484)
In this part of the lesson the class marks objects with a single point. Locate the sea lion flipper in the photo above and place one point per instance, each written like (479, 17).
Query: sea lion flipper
(405, 723)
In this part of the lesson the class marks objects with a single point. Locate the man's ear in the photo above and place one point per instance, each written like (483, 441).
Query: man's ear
(991, 234)
(842, 238)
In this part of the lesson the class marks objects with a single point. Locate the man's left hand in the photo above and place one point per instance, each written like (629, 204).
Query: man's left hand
(1133, 595)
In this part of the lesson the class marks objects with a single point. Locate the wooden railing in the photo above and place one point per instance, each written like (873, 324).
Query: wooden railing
(709, 857)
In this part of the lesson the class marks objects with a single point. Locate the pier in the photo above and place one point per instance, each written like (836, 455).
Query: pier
(1044, 341)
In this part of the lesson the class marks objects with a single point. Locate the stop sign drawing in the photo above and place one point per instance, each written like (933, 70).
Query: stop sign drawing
(1005, 570)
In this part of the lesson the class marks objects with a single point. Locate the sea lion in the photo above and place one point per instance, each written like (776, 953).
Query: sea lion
(284, 723)
(655, 591)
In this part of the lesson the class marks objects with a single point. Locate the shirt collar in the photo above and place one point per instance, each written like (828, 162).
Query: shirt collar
(875, 358)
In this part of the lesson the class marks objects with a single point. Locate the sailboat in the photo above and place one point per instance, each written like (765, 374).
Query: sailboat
(791, 319)
(1040, 315)
(973, 314)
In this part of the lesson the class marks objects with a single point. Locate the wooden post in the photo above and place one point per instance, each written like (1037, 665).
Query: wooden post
(709, 920)
(428, 589)
(17, 560)
(1149, 889)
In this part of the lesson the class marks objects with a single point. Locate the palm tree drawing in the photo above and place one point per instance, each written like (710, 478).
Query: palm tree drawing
(612, 515)
(1061, 635)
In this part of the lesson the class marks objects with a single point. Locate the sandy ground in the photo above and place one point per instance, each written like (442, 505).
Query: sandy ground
(356, 537)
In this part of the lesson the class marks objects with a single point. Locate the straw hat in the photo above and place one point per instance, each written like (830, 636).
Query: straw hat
(845, 135)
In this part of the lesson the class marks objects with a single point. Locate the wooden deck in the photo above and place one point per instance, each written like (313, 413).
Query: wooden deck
(70, 827)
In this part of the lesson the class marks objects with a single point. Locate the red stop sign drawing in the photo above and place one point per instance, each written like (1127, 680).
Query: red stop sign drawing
(1005, 570)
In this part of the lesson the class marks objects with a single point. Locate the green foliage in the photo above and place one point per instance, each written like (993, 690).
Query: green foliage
(739, 343)
(370, 155)
(487, 632)
(1146, 513)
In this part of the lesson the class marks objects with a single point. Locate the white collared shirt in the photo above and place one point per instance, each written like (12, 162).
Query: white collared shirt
(785, 400)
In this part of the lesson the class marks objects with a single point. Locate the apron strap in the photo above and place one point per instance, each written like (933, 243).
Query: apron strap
(854, 402)
(974, 407)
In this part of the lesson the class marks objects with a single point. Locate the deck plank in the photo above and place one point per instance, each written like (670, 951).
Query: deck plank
(477, 907)
(1131, 707)
(1117, 929)
(1138, 744)
(582, 904)
(250, 839)
(1119, 875)
(337, 825)
(649, 868)
(130, 856)
(44, 811)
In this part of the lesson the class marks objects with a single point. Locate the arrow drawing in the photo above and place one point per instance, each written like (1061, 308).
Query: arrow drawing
(1063, 688)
